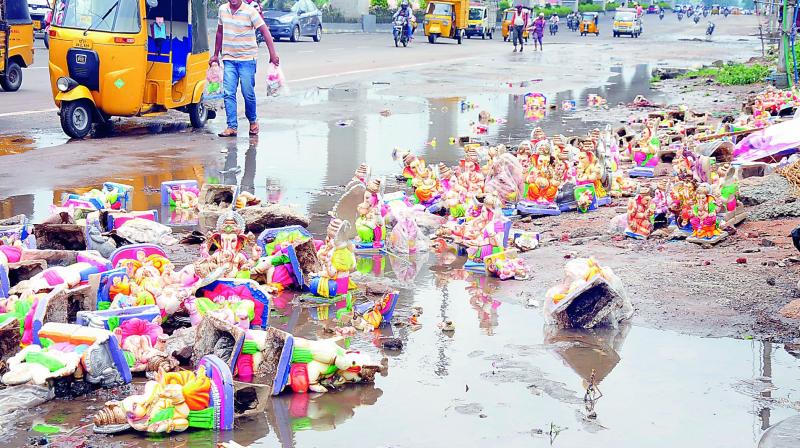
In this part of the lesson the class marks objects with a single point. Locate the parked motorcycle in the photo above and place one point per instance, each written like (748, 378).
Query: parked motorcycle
(710, 29)
(400, 31)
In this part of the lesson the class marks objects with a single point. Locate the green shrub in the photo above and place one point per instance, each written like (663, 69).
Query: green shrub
(612, 6)
(740, 74)
(503, 5)
(732, 74)
(590, 8)
(561, 11)
(665, 5)
(379, 4)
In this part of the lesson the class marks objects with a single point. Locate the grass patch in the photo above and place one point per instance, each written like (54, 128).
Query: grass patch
(655, 79)
(731, 74)
(740, 74)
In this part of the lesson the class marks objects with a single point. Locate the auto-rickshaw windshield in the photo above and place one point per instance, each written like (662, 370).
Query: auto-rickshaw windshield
(588, 17)
(440, 9)
(625, 16)
(88, 15)
(475, 14)
(509, 15)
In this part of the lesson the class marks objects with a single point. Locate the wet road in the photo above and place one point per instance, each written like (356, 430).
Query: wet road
(502, 374)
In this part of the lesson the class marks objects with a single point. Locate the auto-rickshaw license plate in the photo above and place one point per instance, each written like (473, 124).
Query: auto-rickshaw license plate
(82, 43)
(37, 25)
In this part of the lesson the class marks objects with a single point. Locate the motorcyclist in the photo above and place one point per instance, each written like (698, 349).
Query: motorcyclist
(660, 13)
(554, 21)
(405, 11)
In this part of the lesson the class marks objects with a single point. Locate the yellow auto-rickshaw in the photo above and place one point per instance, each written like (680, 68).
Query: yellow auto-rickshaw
(589, 24)
(505, 27)
(446, 18)
(16, 43)
(128, 58)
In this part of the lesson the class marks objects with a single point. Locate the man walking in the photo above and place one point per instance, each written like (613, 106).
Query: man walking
(236, 41)
(519, 22)
(538, 31)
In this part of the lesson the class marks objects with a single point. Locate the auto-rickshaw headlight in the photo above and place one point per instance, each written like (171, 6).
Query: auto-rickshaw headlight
(65, 84)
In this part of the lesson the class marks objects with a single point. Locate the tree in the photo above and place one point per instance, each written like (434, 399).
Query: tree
(379, 4)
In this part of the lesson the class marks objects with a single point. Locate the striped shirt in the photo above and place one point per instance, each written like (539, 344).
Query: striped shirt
(238, 32)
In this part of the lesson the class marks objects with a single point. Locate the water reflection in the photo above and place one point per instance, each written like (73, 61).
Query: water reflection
(292, 413)
(481, 294)
(585, 351)
(296, 160)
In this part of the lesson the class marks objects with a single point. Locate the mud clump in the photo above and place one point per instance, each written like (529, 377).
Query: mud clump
(771, 197)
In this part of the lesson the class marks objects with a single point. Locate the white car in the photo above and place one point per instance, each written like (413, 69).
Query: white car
(38, 10)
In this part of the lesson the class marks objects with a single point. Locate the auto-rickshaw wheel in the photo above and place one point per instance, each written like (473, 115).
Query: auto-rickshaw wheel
(505, 38)
(431, 38)
(76, 118)
(11, 80)
(459, 36)
(198, 114)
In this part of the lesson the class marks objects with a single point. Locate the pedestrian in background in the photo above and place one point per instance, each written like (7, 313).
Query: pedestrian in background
(538, 30)
(519, 22)
(236, 42)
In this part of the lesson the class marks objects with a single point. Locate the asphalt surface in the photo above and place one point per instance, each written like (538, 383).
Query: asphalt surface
(345, 56)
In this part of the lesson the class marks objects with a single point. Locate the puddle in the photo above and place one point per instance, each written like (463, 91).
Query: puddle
(516, 382)
(501, 373)
(18, 144)
(301, 162)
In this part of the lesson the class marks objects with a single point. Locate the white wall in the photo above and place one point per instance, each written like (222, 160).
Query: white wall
(351, 8)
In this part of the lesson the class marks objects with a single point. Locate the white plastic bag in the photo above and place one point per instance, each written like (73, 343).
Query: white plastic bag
(276, 82)
(579, 274)
(618, 224)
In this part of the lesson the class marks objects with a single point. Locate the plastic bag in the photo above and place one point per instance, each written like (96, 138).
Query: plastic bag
(276, 82)
(15, 400)
(406, 236)
(505, 178)
(618, 224)
(214, 89)
(579, 275)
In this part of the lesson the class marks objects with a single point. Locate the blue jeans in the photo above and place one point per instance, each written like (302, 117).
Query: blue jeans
(244, 73)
